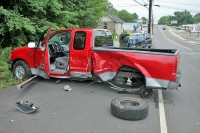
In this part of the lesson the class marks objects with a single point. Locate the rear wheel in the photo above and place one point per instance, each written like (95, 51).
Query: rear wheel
(21, 70)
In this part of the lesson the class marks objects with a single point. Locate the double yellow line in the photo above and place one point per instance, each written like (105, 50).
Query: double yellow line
(173, 41)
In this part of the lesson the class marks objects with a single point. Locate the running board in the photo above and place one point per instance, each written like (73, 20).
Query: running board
(27, 82)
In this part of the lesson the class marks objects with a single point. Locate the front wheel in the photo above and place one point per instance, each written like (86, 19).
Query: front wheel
(21, 70)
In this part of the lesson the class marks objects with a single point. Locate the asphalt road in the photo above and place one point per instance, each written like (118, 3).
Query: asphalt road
(182, 107)
(86, 108)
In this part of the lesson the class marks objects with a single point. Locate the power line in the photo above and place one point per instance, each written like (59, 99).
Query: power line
(144, 2)
(176, 8)
(178, 3)
(126, 5)
(140, 4)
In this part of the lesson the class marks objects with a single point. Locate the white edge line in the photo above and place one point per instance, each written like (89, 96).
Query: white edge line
(176, 35)
(163, 123)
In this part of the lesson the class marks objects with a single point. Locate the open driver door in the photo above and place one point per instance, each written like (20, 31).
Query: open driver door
(41, 55)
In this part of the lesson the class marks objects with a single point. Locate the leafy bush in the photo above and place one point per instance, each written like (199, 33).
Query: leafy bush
(6, 77)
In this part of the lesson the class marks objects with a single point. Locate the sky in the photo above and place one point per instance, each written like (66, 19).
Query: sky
(167, 7)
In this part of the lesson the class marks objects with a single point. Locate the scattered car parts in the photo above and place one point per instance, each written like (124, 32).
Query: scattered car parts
(26, 107)
(129, 108)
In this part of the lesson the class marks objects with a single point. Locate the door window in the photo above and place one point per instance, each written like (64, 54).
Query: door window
(79, 40)
(62, 38)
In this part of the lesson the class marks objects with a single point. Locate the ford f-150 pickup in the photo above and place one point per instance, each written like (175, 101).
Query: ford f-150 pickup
(86, 53)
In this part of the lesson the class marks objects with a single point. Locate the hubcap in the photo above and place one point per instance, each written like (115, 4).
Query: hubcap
(20, 72)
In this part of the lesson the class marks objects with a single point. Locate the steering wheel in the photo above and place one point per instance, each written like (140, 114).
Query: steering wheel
(57, 47)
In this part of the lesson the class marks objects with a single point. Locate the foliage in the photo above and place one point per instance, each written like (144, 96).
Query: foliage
(144, 19)
(164, 20)
(197, 18)
(126, 16)
(6, 78)
(24, 20)
(110, 8)
(182, 17)
(123, 14)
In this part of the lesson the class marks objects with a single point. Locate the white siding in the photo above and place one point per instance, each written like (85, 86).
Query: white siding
(118, 28)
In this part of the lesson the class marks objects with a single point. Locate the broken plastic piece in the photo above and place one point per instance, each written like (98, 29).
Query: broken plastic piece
(67, 88)
(26, 107)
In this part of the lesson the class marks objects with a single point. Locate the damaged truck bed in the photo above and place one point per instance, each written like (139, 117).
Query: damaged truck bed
(84, 53)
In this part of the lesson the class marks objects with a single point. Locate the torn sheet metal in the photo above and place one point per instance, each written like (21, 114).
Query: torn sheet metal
(107, 76)
(81, 74)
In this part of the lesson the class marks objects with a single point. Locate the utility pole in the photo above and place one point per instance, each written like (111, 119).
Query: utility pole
(150, 10)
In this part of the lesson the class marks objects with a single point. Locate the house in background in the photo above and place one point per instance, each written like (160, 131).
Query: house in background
(112, 23)
(130, 27)
(191, 27)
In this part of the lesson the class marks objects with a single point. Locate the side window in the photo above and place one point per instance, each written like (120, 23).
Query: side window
(105, 25)
(79, 40)
(62, 38)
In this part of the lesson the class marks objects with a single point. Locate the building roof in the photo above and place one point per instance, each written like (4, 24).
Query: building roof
(115, 18)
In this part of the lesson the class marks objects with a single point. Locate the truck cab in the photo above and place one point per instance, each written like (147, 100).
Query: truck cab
(62, 54)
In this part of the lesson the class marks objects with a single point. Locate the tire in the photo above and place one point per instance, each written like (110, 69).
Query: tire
(146, 93)
(129, 108)
(21, 70)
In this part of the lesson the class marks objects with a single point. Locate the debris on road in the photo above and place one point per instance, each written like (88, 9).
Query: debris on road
(57, 81)
(27, 83)
(129, 108)
(26, 107)
(67, 88)
(11, 121)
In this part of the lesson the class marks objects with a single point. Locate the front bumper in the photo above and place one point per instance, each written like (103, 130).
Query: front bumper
(175, 84)
(10, 63)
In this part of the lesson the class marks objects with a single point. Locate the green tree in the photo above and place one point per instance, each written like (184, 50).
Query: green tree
(164, 20)
(144, 19)
(110, 8)
(197, 18)
(24, 20)
(135, 16)
(183, 17)
(126, 16)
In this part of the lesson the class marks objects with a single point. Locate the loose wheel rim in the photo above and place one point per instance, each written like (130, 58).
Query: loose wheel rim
(130, 103)
(20, 72)
(146, 93)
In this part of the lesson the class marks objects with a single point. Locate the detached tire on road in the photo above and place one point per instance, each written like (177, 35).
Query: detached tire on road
(129, 108)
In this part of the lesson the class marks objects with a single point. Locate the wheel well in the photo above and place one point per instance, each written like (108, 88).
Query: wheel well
(18, 59)
(127, 71)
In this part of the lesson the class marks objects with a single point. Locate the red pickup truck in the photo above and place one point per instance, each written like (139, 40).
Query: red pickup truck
(86, 53)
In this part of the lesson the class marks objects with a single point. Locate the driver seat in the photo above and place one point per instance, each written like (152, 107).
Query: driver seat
(62, 63)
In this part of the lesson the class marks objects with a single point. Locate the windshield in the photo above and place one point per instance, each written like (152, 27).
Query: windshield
(103, 38)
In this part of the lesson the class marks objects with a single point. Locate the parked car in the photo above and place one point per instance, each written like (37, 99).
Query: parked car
(148, 40)
(139, 40)
(78, 54)
(123, 39)
(136, 40)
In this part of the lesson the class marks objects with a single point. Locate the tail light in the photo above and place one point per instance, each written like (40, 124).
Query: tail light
(175, 67)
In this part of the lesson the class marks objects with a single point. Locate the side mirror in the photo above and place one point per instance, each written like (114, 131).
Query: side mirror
(31, 45)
